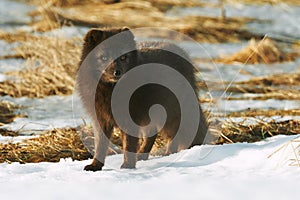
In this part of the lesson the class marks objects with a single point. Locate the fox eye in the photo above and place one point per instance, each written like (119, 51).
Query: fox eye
(123, 58)
(103, 58)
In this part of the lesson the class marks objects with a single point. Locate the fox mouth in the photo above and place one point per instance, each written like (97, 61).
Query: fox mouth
(111, 79)
(115, 79)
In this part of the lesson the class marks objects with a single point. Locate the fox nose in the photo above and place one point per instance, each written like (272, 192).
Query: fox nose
(117, 73)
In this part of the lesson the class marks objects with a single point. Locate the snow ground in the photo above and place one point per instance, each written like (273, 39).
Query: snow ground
(47, 113)
(9, 16)
(235, 171)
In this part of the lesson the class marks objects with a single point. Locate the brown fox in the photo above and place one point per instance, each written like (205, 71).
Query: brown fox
(141, 100)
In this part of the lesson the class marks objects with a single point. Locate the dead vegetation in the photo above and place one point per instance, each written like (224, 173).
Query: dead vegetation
(162, 5)
(266, 93)
(52, 66)
(135, 14)
(265, 113)
(232, 132)
(5, 132)
(259, 51)
(64, 3)
(277, 86)
(16, 37)
(7, 115)
(50, 147)
(274, 80)
(272, 2)
(53, 145)
(289, 153)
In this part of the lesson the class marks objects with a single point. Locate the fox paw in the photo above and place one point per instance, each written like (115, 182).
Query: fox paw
(127, 165)
(93, 168)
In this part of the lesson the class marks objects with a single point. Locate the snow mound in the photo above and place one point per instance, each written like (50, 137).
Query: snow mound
(235, 171)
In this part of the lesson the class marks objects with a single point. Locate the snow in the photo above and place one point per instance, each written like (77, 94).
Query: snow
(13, 139)
(233, 171)
(207, 50)
(67, 32)
(272, 104)
(47, 113)
(9, 18)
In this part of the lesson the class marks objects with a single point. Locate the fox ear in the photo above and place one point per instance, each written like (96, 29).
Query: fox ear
(125, 28)
(128, 32)
(93, 36)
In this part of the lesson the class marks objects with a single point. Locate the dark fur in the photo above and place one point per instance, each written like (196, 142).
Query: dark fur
(141, 100)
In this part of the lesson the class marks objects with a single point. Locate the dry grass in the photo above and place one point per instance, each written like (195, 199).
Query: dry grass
(266, 93)
(7, 115)
(16, 37)
(164, 5)
(160, 4)
(60, 3)
(263, 51)
(265, 113)
(5, 132)
(53, 145)
(55, 62)
(290, 153)
(274, 80)
(279, 86)
(141, 14)
(272, 2)
(232, 132)
(49, 147)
